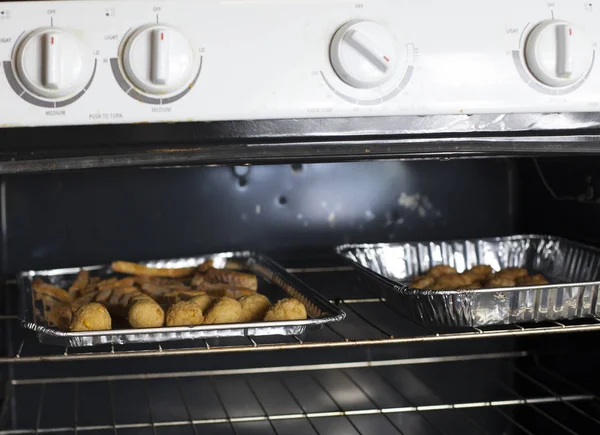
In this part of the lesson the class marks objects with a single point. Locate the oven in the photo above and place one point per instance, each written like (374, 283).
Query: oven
(136, 130)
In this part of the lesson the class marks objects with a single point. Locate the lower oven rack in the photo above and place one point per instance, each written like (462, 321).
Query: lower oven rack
(370, 321)
(387, 397)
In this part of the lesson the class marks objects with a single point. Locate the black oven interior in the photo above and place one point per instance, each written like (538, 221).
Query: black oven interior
(374, 373)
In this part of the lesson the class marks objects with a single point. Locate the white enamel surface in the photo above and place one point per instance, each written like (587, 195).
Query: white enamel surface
(272, 59)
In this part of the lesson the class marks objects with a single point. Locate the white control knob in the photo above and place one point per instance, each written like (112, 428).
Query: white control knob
(558, 53)
(364, 54)
(159, 59)
(52, 63)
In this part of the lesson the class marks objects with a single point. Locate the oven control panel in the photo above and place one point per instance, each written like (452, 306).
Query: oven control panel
(121, 61)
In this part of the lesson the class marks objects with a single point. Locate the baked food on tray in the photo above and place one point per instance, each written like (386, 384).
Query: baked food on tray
(443, 277)
(148, 297)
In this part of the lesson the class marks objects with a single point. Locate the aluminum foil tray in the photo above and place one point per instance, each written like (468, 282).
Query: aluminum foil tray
(573, 270)
(273, 281)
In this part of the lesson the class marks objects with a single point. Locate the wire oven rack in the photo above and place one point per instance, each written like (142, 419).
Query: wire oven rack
(507, 393)
(370, 321)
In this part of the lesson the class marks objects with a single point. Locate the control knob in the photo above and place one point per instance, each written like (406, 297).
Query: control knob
(364, 54)
(52, 63)
(558, 53)
(158, 59)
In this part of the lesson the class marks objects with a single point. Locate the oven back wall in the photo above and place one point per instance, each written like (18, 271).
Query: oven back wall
(561, 196)
(78, 218)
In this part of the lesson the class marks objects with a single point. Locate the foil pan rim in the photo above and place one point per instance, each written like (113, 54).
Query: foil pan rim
(524, 236)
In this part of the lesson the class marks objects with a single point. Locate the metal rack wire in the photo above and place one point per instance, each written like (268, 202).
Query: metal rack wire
(370, 321)
(507, 393)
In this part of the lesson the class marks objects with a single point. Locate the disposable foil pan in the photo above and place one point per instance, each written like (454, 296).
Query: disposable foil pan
(573, 270)
(273, 281)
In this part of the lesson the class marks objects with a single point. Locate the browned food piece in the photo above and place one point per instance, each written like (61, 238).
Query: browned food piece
(126, 302)
(234, 293)
(56, 313)
(144, 313)
(499, 281)
(484, 270)
(225, 310)
(107, 284)
(83, 300)
(200, 285)
(537, 279)
(117, 300)
(423, 282)
(128, 298)
(286, 309)
(224, 276)
(451, 282)
(136, 297)
(439, 270)
(158, 287)
(221, 289)
(79, 284)
(177, 296)
(91, 317)
(208, 264)
(235, 265)
(474, 285)
(480, 272)
(126, 282)
(512, 273)
(119, 293)
(91, 286)
(470, 277)
(203, 301)
(159, 290)
(236, 279)
(254, 307)
(184, 313)
(159, 280)
(139, 269)
(42, 288)
(103, 296)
